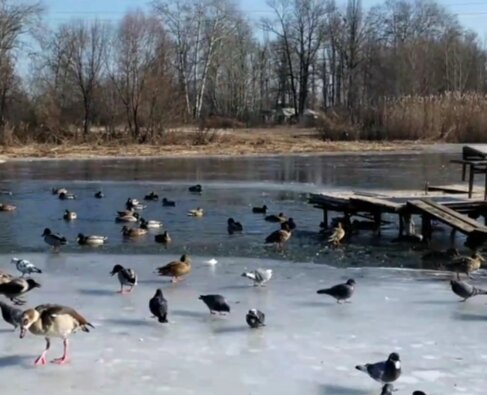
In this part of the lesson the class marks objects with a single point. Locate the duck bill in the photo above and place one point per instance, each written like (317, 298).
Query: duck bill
(23, 332)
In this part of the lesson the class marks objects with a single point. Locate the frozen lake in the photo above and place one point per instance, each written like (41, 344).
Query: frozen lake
(309, 346)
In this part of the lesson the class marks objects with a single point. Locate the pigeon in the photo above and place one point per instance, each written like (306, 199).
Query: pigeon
(384, 372)
(255, 318)
(260, 210)
(25, 267)
(341, 292)
(158, 306)
(387, 389)
(17, 287)
(11, 314)
(465, 290)
(54, 239)
(279, 237)
(233, 226)
(125, 277)
(337, 235)
(216, 303)
(259, 276)
(418, 393)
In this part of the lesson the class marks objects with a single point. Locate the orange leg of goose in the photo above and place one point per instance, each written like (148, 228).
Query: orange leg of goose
(41, 360)
(65, 358)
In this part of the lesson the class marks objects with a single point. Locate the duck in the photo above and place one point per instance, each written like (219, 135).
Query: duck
(260, 210)
(52, 320)
(279, 237)
(91, 240)
(133, 232)
(69, 215)
(133, 204)
(151, 224)
(233, 226)
(158, 306)
(176, 269)
(126, 277)
(24, 266)
(291, 224)
(57, 191)
(337, 236)
(153, 197)
(7, 207)
(467, 264)
(17, 287)
(198, 212)
(66, 196)
(99, 195)
(163, 238)
(168, 203)
(280, 218)
(259, 276)
(196, 188)
(11, 315)
(55, 240)
(133, 217)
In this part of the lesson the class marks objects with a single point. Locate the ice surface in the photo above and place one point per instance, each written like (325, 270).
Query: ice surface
(309, 346)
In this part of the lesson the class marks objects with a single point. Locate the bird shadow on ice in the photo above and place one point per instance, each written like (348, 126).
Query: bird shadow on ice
(189, 313)
(127, 321)
(97, 292)
(12, 360)
(155, 281)
(329, 389)
(230, 329)
(237, 287)
(434, 302)
(469, 317)
(4, 330)
(310, 303)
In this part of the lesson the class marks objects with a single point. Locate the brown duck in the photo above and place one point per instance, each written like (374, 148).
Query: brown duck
(467, 264)
(133, 232)
(279, 237)
(175, 269)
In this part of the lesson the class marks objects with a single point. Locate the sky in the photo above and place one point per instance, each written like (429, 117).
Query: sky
(472, 13)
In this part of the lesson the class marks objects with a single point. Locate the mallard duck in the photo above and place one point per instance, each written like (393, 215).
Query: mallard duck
(163, 238)
(279, 237)
(199, 212)
(50, 320)
(125, 276)
(99, 195)
(7, 207)
(151, 224)
(57, 191)
(133, 232)
(133, 204)
(55, 240)
(337, 236)
(175, 269)
(66, 196)
(168, 203)
(260, 210)
(69, 215)
(280, 218)
(134, 217)
(17, 287)
(233, 226)
(152, 197)
(91, 240)
(196, 188)
(466, 264)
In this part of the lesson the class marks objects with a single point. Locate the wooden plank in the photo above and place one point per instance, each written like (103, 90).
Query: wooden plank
(375, 203)
(453, 189)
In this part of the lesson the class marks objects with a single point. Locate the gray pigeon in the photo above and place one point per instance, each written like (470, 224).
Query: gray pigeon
(158, 306)
(341, 292)
(465, 290)
(384, 372)
(216, 303)
(11, 315)
(387, 389)
(255, 318)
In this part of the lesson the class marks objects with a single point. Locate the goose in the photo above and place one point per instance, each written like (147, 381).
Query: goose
(164, 238)
(198, 212)
(126, 277)
(260, 210)
(168, 203)
(91, 240)
(176, 269)
(233, 226)
(55, 240)
(151, 224)
(152, 197)
(69, 215)
(51, 320)
(133, 232)
(7, 207)
(279, 237)
(24, 266)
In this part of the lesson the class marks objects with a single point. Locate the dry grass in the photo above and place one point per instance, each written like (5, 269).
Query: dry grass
(226, 143)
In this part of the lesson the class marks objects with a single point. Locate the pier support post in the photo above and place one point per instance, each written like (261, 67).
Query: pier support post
(453, 233)
(325, 218)
(378, 222)
(426, 228)
(405, 225)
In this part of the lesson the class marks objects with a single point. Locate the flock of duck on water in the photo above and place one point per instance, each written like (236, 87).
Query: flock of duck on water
(52, 320)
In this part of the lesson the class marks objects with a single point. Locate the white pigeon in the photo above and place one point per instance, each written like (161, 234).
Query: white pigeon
(25, 267)
(259, 276)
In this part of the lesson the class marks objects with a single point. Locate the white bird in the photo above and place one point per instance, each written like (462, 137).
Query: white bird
(150, 224)
(211, 262)
(259, 276)
(25, 267)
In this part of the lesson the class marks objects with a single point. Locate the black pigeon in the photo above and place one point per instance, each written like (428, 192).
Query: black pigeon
(387, 389)
(465, 290)
(234, 226)
(341, 292)
(17, 287)
(196, 188)
(216, 303)
(158, 306)
(255, 318)
(260, 210)
(384, 372)
(11, 315)
(168, 203)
